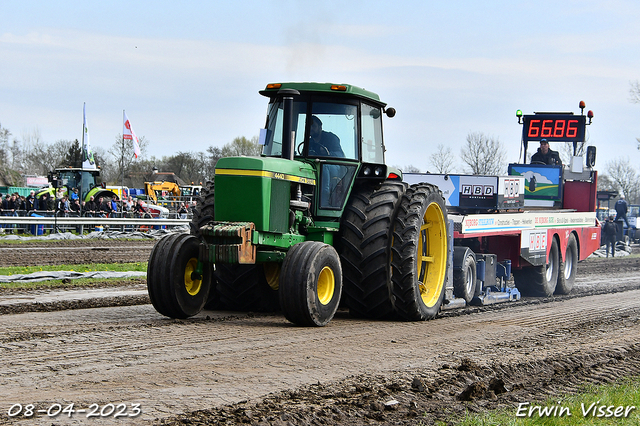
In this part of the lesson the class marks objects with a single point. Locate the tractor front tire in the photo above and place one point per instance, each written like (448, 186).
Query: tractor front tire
(420, 253)
(175, 289)
(310, 284)
(366, 232)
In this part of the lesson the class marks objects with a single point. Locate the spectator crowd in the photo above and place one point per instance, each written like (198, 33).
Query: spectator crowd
(62, 205)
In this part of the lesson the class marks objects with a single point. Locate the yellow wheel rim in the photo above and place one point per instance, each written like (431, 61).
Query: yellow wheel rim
(272, 274)
(326, 285)
(432, 255)
(192, 286)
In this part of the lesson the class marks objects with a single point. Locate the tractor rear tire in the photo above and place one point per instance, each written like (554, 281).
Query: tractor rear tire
(310, 284)
(203, 211)
(245, 288)
(365, 248)
(420, 253)
(568, 268)
(174, 289)
(202, 215)
(539, 281)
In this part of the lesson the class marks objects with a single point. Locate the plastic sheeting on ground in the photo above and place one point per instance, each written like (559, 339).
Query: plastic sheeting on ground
(104, 235)
(59, 275)
(602, 252)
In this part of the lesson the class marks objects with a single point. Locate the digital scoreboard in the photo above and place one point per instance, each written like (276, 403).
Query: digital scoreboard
(554, 127)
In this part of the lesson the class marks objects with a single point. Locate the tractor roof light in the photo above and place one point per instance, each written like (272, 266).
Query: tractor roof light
(339, 87)
(519, 115)
(590, 115)
(274, 85)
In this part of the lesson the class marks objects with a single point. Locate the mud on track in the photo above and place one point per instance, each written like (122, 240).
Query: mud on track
(230, 368)
(75, 252)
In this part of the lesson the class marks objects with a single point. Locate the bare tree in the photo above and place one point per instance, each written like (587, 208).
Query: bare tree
(409, 169)
(242, 146)
(566, 151)
(605, 183)
(122, 157)
(43, 158)
(213, 154)
(32, 142)
(483, 155)
(625, 178)
(634, 92)
(4, 145)
(442, 160)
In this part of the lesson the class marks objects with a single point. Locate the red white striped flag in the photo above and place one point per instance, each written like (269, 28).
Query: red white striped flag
(128, 133)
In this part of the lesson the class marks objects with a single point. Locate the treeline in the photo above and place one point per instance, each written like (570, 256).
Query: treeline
(33, 157)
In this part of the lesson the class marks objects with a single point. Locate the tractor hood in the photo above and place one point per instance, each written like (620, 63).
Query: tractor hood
(258, 190)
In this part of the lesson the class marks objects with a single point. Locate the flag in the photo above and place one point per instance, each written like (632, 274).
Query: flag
(87, 155)
(128, 133)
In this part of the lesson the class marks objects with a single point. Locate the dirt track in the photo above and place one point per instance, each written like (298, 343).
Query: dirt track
(350, 372)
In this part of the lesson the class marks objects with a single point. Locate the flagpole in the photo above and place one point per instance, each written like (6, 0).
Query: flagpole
(122, 180)
(83, 120)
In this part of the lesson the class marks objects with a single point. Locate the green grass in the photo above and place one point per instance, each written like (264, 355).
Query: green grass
(117, 267)
(625, 393)
(77, 282)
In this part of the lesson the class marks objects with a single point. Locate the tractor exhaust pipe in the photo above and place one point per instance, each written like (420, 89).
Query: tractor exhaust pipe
(288, 138)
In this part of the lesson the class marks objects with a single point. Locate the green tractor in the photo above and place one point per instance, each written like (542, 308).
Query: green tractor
(316, 222)
(85, 180)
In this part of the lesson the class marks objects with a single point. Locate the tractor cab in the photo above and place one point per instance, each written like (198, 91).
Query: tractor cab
(334, 128)
(83, 179)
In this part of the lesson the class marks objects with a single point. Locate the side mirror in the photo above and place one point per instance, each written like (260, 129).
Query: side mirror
(391, 112)
(591, 156)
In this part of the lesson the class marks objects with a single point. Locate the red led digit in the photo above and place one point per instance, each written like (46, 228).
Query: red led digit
(547, 128)
(572, 129)
(558, 129)
(534, 131)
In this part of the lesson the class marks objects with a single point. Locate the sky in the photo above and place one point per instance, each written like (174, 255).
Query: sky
(188, 73)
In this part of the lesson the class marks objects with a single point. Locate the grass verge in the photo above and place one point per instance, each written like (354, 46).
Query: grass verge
(118, 267)
(78, 282)
(611, 404)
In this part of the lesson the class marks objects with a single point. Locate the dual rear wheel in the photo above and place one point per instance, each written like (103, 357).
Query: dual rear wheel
(557, 276)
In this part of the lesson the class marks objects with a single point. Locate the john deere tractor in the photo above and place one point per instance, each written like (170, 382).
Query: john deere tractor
(316, 222)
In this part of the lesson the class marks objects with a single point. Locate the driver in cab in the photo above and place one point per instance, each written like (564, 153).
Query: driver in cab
(545, 155)
(323, 143)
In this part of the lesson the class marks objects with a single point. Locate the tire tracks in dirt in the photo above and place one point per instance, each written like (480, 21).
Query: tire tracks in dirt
(131, 354)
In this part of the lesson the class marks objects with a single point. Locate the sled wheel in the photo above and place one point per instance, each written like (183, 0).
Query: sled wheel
(464, 278)
(568, 268)
(419, 253)
(310, 284)
(175, 289)
(540, 281)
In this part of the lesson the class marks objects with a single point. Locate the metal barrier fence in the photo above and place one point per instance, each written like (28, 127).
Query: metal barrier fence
(38, 225)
